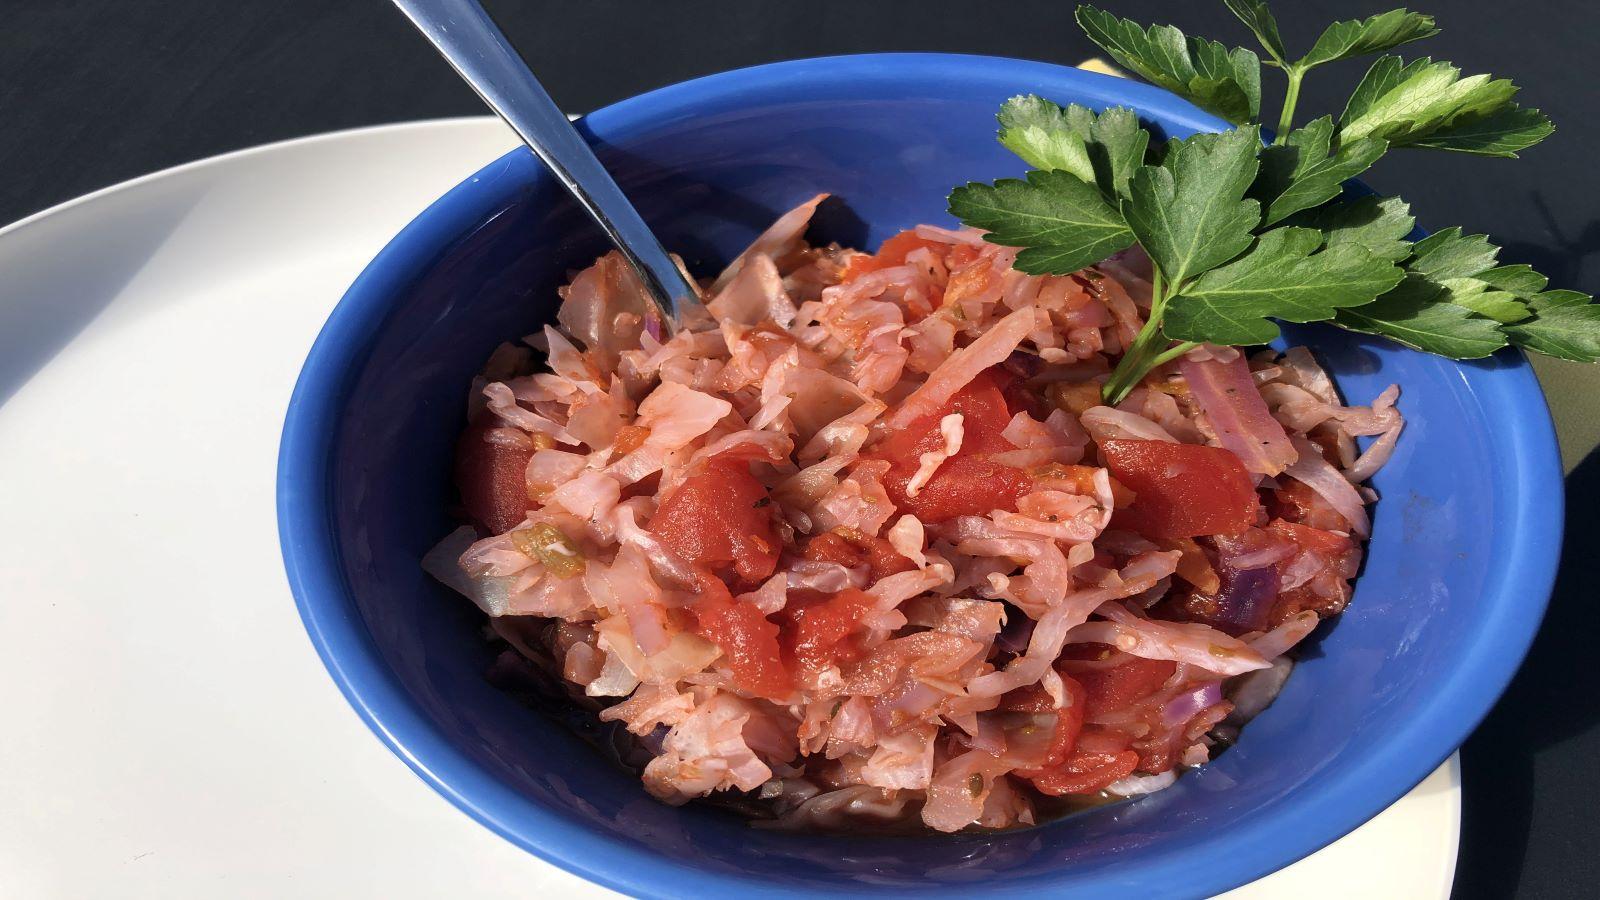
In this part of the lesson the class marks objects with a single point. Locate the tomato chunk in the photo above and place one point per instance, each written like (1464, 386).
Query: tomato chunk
(1109, 690)
(1181, 490)
(850, 547)
(884, 559)
(823, 629)
(892, 253)
(718, 518)
(1327, 592)
(747, 639)
(1094, 765)
(1069, 721)
(1087, 773)
(1317, 540)
(968, 483)
(1294, 501)
(833, 548)
(492, 478)
(961, 487)
(982, 405)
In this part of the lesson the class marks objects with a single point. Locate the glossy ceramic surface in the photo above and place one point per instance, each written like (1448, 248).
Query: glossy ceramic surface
(1458, 572)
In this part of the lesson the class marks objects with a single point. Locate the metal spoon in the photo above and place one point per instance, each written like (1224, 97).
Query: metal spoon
(480, 54)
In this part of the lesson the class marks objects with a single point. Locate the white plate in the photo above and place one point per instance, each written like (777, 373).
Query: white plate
(169, 731)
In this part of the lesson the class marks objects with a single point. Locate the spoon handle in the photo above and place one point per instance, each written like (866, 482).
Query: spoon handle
(480, 53)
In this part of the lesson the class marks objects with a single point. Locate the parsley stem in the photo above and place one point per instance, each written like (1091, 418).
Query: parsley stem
(1147, 345)
(1290, 99)
(1173, 353)
(1135, 363)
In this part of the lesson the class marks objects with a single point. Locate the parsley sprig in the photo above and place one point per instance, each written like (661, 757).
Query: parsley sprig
(1242, 233)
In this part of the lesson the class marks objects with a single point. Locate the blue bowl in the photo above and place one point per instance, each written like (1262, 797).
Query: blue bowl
(1458, 572)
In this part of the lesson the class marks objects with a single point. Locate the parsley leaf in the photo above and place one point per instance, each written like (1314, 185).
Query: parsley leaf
(1117, 148)
(1283, 277)
(1553, 299)
(1411, 315)
(1342, 40)
(1255, 15)
(1063, 223)
(1447, 269)
(1449, 254)
(1242, 235)
(1568, 330)
(1102, 149)
(1380, 224)
(1501, 133)
(1300, 173)
(1454, 276)
(1204, 72)
(1519, 279)
(1478, 296)
(1189, 212)
(1427, 103)
(1047, 136)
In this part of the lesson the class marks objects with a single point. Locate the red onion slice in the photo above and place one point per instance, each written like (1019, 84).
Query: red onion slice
(1189, 704)
(1245, 597)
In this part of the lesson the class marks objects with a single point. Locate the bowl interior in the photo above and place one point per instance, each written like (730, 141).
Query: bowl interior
(1452, 589)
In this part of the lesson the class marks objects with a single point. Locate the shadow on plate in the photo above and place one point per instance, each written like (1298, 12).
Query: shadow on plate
(63, 270)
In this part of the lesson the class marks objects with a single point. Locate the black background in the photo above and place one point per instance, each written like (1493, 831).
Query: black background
(97, 91)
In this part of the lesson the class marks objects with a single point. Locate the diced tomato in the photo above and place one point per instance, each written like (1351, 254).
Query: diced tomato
(830, 547)
(969, 483)
(1181, 490)
(1099, 760)
(1294, 501)
(962, 487)
(984, 415)
(892, 253)
(884, 559)
(1316, 540)
(492, 478)
(850, 547)
(1069, 721)
(1109, 690)
(748, 641)
(960, 255)
(823, 628)
(718, 518)
(1327, 592)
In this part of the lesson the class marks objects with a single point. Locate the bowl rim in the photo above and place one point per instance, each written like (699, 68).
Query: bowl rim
(313, 561)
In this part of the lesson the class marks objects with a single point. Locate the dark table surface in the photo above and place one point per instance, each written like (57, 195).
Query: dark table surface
(97, 91)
